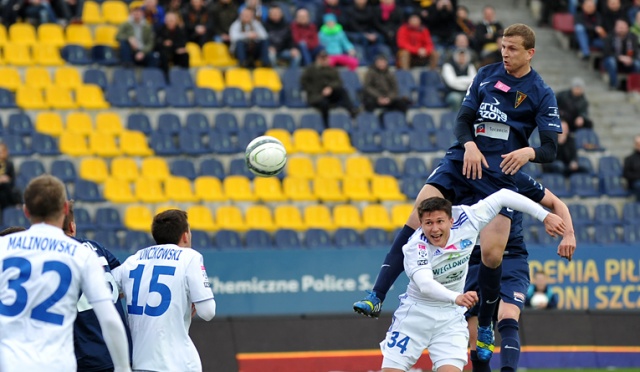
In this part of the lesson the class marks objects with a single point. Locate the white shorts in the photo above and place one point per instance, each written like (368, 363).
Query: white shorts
(417, 326)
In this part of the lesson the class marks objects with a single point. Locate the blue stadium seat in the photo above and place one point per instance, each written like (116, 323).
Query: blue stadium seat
(580, 215)
(609, 166)
(423, 123)
(87, 191)
(108, 239)
(14, 217)
(183, 168)
(180, 77)
(548, 240)
(136, 240)
(557, 184)
(201, 240)
(95, 77)
(435, 162)
(613, 186)
(585, 164)
(286, 238)
(264, 98)
(238, 167)
(148, 97)
(351, 83)
(444, 139)
(205, 98)
(83, 220)
(432, 98)
(124, 77)
(21, 182)
(163, 144)
(532, 169)
(317, 238)
(197, 123)
(192, 143)
(448, 121)
(346, 238)
(45, 145)
(7, 99)
(213, 168)
(415, 167)
(386, 166)
(365, 142)
(226, 122)
(605, 214)
(283, 121)
(631, 234)
(108, 219)
(375, 238)
(104, 55)
(119, 96)
(177, 97)
(20, 124)
(587, 139)
(31, 169)
(76, 55)
(227, 239)
(292, 97)
(255, 122)
(393, 142)
(258, 239)
(395, 121)
(368, 122)
(631, 214)
(406, 84)
(421, 142)
(169, 123)
(411, 186)
(152, 77)
(582, 185)
(431, 78)
(245, 137)
(582, 235)
(606, 235)
(234, 98)
(312, 120)
(64, 170)
(340, 120)
(139, 122)
(221, 143)
(17, 145)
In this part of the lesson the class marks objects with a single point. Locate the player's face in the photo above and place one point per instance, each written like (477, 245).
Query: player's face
(515, 57)
(436, 226)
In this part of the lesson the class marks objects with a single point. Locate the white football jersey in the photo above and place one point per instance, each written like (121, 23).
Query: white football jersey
(449, 264)
(160, 283)
(42, 274)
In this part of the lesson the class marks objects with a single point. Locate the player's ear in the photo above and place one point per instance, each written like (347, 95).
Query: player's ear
(26, 211)
(531, 52)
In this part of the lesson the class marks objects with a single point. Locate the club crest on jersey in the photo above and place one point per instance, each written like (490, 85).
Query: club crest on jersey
(520, 97)
(518, 296)
(465, 243)
(481, 129)
(422, 250)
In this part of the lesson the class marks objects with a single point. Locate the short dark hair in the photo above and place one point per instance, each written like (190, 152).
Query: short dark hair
(434, 204)
(44, 198)
(69, 218)
(168, 226)
(524, 31)
(11, 230)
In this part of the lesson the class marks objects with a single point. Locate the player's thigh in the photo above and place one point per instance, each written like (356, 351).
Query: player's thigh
(452, 185)
(407, 337)
(493, 240)
(448, 346)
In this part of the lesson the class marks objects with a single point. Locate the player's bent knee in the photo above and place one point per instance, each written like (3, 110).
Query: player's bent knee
(450, 365)
(428, 191)
(508, 311)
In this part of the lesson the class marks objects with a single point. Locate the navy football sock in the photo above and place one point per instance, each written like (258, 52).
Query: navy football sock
(510, 345)
(489, 283)
(393, 264)
(478, 365)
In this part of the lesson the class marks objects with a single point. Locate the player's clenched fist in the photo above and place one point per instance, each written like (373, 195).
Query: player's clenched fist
(467, 299)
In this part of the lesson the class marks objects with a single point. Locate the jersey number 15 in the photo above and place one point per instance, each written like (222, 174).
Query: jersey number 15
(154, 286)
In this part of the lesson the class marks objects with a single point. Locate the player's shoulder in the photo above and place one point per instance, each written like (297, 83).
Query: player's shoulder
(491, 69)
(539, 83)
(94, 245)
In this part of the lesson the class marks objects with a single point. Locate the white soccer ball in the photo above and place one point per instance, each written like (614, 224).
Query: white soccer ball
(539, 300)
(265, 156)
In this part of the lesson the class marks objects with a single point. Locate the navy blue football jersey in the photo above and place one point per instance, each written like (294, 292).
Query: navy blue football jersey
(91, 351)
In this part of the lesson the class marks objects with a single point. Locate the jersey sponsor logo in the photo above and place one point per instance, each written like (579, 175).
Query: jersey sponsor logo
(520, 97)
(438, 252)
(518, 296)
(493, 130)
(422, 250)
(480, 129)
(451, 265)
(484, 83)
(502, 86)
(465, 243)
(422, 262)
(205, 277)
(489, 111)
(553, 112)
(455, 276)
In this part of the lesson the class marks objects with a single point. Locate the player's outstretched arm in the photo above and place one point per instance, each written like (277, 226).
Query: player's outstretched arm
(567, 245)
(114, 334)
(206, 309)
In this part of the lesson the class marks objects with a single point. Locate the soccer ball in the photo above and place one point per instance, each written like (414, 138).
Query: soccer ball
(265, 156)
(539, 300)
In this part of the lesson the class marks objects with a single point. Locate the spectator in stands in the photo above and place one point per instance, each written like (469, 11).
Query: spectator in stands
(171, 43)
(249, 40)
(588, 30)
(573, 106)
(463, 23)
(458, 73)
(611, 13)
(390, 18)
(635, 28)
(442, 22)
(545, 298)
(197, 22)
(39, 12)
(281, 44)
(330, 7)
(461, 41)
(631, 169)
(260, 11)
(305, 35)
(566, 162)
(323, 87)
(363, 29)
(548, 8)
(9, 11)
(223, 14)
(487, 32)
(380, 88)
(620, 53)
(9, 196)
(137, 40)
(415, 47)
(335, 42)
(154, 14)
(632, 12)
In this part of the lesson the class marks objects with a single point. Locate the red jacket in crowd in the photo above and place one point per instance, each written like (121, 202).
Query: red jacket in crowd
(412, 39)
(307, 33)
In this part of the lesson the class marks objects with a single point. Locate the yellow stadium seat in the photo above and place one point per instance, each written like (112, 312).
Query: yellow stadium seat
(91, 13)
(3, 35)
(329, 167)
(118, 191)
(308, 141)
(10, 78)
(52, 34)
(134, 143)
(164, 208)
(67, 77)
(375, 216)
(386, 188)
(90, 97)
(359, 167)
(259, 217)
(79, 122)
(79, 35)
(17, 55)
(106, 35)
(37, 77)
(47, 55)
(289, 217)
(74, 144)
(195, 55)
(201, 218)
(22, 33)
(114, 12)
(230, 218)
(318, 217)
(94, 169)
(297, 189)
(400, 213)
(357, 189)
(109, 122)
(238, 188)
(210, 78)
(336, 141)
(300, 167)
(328, 190)
(283, 136)
(138, 217)
(124, 169)
(59, 98)
(104, 144)
(267, 78)
(49, 123)
(149, 190)
(238, 78)
(178, 189)
(209, 189)
(30, 98)
(155, 168)
(268, 189)
(217, 55)
(347, 216)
